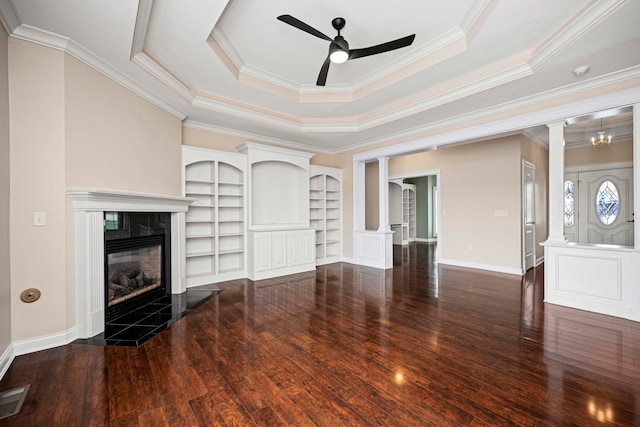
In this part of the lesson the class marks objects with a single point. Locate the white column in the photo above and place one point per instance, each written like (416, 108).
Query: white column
(556, 183)
(383, 194)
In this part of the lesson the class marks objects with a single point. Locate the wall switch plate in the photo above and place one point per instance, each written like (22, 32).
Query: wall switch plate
(501, 213)
(39, 219)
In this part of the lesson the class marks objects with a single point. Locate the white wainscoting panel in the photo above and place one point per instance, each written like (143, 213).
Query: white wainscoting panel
(601, 279)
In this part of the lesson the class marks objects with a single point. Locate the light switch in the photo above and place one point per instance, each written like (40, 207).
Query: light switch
(39, 219)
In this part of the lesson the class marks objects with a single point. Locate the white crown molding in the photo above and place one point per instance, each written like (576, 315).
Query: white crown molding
(512, 124)
(9, 16)
(140, 29)
(54, 41)
(227, 47)
(191, 124)
(145, 62)
(572, 31)
(473, 19)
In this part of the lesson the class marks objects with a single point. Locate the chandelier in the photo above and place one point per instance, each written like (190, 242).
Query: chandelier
(601, 141)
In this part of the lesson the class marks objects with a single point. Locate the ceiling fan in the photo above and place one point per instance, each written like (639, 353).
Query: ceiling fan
(339, 51)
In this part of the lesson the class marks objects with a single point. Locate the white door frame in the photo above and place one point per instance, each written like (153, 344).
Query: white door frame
(528, 224)
(438, 213)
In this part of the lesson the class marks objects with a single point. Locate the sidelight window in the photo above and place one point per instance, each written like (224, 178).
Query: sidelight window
(568, 203)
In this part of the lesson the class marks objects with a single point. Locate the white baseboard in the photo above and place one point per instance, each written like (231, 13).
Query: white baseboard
(428, 240)
(539, 260)
(489, 267)
(6, 359)
(348, 260)
(45, 342)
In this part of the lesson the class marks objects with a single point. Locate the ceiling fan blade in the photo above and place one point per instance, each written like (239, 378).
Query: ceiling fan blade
(381, 48)
(294, 22)
(322, 77)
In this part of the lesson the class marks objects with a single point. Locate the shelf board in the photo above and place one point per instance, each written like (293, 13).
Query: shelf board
(200, 254)
(199, 181)
(231, 251)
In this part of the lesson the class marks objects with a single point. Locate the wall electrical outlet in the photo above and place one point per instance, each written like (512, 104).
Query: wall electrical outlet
(501, 213)
(39, 219)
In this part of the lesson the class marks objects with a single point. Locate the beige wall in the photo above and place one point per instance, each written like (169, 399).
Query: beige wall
(619, 152)
(212, 140)
(5, 278)
(476, 180)
(72, 127)
(37, 120)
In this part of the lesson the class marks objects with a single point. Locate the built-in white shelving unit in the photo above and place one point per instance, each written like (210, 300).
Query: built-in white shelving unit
(280, 240)
(409, 211)
(325, 207)
(253, 215)
(215, 222)
(402, 211)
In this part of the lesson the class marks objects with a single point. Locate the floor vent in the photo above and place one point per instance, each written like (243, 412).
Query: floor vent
(11, 401)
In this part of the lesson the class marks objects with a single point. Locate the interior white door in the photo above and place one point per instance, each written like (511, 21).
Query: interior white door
(528, 215)
(605, 207)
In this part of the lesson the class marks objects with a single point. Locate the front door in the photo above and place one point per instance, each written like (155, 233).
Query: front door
(605, 207)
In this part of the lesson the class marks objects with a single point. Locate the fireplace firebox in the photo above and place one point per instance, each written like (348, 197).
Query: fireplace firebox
(137, 260)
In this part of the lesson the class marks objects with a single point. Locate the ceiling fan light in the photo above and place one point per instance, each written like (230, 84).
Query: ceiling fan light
(339, 56)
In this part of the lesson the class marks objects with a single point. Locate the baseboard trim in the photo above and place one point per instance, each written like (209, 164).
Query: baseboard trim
(428, 240)
(6, 359)
(488, 267)
(45, 342)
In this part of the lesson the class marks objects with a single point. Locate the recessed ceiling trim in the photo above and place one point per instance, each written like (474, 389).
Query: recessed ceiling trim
(625, 97)
(148, 64)
(140, 28)
(253, 137)
(572, 30)
(245, 113)
(477, 17)
(9, 17)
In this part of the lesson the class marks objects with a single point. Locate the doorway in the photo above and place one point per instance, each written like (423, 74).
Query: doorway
(599, 207)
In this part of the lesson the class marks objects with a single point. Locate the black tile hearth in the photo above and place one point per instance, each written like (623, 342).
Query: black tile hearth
(139, 325)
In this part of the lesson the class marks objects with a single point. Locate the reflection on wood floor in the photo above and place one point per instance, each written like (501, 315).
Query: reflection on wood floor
(418, 344)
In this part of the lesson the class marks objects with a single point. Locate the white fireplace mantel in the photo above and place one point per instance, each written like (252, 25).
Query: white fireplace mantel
(89, 205)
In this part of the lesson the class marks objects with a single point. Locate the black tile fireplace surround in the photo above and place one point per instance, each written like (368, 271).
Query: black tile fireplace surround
(138, 299)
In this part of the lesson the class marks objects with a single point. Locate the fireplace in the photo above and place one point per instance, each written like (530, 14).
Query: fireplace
(137, 266)
(95, 225)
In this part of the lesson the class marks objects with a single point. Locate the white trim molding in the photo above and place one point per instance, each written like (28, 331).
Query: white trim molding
(6, 359)
(89, 205)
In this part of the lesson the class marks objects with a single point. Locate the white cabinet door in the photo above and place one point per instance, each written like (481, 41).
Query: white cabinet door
(278, 250)
(300, 246)
(262, 252)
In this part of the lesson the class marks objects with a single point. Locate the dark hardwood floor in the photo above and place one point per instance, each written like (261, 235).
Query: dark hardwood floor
(416, 345)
